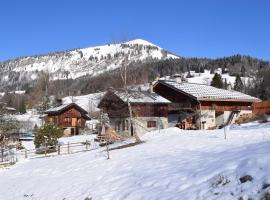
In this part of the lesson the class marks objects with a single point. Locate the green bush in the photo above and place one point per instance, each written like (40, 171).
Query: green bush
(48, 135)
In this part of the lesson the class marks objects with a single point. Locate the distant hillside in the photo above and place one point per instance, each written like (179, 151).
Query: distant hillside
(76, 63)
(139, 73)
(91, 70)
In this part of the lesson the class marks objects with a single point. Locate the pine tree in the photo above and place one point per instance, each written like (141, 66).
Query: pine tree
(212, 70)
(238, 85)
(201, 70)
(243, 71)
(189, 75)
(22, 108)
(225, 84)
(223, 70)
(48, 135)
(217, 81)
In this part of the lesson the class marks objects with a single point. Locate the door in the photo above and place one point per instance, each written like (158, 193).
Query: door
(74, 122)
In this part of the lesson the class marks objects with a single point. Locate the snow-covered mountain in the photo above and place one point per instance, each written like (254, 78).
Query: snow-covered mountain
(80, 62)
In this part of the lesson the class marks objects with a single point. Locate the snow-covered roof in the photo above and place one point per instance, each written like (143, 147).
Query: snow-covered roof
(203, 92)
(63, 107)
(59, 108)
(10, 108)
(141, 97)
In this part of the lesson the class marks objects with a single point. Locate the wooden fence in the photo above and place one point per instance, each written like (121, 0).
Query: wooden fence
(7, 156)
(11, 156)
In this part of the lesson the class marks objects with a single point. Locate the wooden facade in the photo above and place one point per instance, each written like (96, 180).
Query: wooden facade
(261, 108)
(225, 105)
(70, 116)
(115, 107)
(201, 113)
(146, 114)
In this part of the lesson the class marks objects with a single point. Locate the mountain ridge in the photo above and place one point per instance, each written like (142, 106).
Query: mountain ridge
(93, 69)
(80, 62)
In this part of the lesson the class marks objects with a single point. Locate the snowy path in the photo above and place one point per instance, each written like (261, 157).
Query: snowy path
(174, 164)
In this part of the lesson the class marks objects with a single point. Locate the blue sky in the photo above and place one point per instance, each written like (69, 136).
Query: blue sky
(192, 28)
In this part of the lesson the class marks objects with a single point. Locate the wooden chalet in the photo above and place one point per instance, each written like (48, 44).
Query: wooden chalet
(69, 116)
(198, 106)
(7, 110)
(261, 108)
(149, 110)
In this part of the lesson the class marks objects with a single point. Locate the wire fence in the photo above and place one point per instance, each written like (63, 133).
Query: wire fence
(9, 156)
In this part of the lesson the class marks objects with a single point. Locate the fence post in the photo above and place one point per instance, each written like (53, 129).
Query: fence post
(2, 154)
(45, 149)
(58, 149)
(25, 153)
(68, 147)
(86, 145)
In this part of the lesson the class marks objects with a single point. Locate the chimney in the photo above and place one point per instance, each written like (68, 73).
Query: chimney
(177, 78)
(110, 89)
(151, 87)
(157, 78)
(59, 102)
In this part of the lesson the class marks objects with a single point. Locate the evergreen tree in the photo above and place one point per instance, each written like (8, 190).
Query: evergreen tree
(223, 70)
(217, 81)
(238, 85)
(225, 84)
(243, 71)
(189, 75)
(212, 70)
(22, 108)
(48, 135)
(201, 70)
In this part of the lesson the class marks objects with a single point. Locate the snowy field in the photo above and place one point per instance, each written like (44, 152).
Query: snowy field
(172, 164)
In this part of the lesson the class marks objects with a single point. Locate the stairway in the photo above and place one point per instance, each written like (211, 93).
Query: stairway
(232, 114)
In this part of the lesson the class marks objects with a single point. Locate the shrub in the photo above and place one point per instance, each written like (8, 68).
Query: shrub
(48, 135)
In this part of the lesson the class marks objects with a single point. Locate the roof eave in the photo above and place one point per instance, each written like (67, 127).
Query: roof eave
(230, 100)
(150, 102)
(176, 89)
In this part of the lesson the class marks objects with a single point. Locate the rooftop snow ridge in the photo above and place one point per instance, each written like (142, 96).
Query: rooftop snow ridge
(201, 91)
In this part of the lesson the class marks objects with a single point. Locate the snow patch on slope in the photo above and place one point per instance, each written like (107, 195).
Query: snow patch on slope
(206, 77)
(87, 61)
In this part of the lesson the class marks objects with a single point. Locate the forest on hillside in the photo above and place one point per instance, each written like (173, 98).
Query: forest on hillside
(139, 73)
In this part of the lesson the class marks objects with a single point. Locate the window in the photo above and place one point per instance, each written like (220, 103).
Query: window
(127, 125)
(118, 126)
(151, 124)
(50, 119)
(123, 125)
(67, 119)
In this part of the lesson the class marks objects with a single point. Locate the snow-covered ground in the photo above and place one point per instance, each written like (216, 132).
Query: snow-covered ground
(206, 77)
(29, 119)
(172, 164)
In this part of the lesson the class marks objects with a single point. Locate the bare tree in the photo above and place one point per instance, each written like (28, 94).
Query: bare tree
(123, 73)
(105, 135)
(7, 126)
